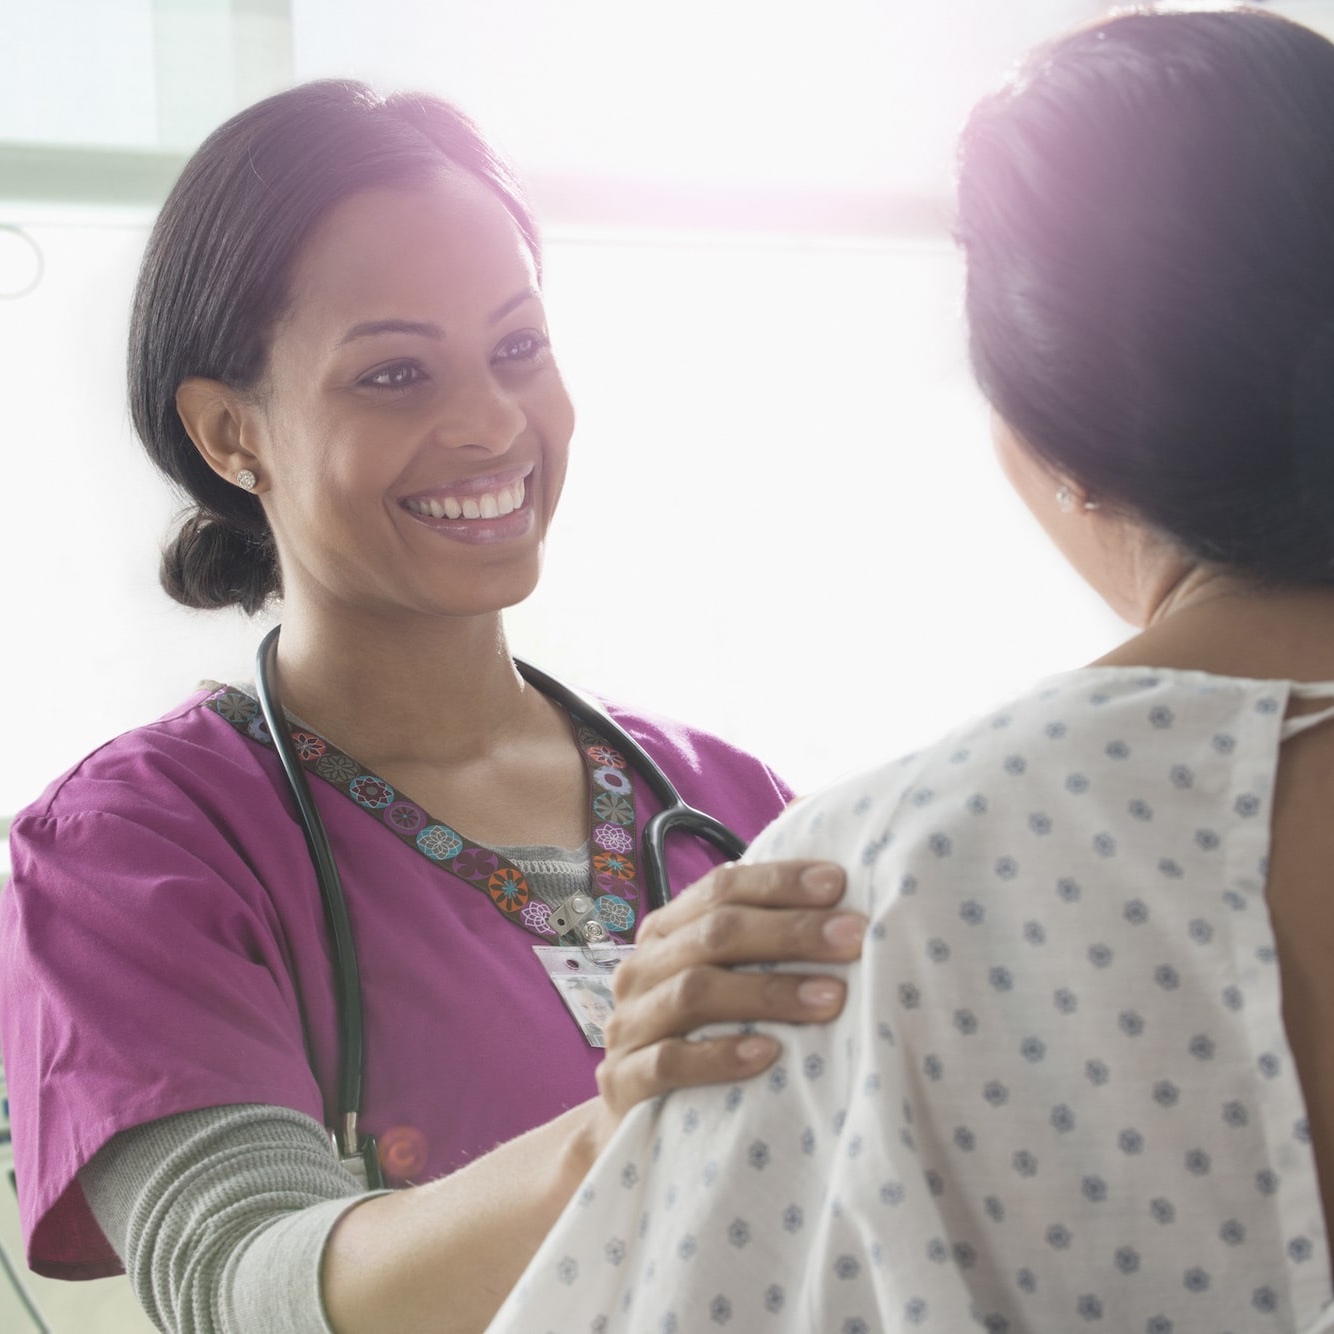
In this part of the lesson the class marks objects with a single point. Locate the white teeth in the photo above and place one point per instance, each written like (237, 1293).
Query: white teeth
(489, 505)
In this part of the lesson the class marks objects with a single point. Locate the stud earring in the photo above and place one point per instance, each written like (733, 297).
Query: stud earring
(246, 479)
(1065, 501)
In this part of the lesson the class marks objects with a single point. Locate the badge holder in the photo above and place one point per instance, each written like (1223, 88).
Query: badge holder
(582, 973)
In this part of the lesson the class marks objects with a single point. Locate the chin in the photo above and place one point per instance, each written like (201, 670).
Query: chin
(487, 597)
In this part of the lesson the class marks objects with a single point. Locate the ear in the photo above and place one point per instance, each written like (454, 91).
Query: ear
(1041, 484)
(217, 419)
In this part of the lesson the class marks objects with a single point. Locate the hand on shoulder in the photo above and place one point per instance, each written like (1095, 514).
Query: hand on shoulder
(683, 976)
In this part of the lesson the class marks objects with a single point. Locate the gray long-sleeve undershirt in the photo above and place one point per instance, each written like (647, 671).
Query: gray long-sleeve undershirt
(220, 1217)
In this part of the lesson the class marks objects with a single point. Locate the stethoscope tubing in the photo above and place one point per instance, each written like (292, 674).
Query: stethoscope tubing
(347, 976)
(675, 815)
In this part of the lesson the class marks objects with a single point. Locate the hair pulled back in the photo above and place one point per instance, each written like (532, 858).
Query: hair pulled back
(215, 275)
(1147, 215)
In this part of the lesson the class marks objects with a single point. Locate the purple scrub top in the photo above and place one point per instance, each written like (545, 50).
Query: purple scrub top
(162, 949)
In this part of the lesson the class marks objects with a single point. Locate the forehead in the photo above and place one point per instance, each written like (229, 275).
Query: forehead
(447, 245)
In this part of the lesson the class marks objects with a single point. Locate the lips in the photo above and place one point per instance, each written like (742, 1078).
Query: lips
(483, 498)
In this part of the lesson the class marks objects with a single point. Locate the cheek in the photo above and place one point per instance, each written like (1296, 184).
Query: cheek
(1028, 478)
(319, 481)
(553, 414)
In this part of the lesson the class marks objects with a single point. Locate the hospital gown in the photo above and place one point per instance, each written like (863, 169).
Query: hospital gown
(1060, 1096)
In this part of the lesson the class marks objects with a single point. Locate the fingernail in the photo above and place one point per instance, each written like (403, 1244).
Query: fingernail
(819, 993)
(845, 930)
(753, 1050)
(822, 882)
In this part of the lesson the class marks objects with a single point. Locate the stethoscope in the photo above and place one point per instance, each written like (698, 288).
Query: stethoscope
(357, 1152)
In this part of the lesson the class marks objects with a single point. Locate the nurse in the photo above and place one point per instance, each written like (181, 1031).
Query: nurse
(339, 354)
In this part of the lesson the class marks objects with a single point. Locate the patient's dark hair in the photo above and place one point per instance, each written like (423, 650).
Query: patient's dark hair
(215, 275)
(1147, 214)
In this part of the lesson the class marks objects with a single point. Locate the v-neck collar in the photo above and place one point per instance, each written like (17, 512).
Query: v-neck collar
(613, 819)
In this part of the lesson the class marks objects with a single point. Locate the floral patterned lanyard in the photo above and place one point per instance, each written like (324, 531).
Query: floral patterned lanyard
(613, 818)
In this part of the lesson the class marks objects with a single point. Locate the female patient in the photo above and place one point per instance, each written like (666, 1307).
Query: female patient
(1084, 1076)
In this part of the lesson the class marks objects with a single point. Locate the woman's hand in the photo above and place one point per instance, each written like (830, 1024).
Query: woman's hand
(682, 975)
(442, 1256)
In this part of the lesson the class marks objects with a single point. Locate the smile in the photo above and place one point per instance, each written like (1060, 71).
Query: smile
(482, 505)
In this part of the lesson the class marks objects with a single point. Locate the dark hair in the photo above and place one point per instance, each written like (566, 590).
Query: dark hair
(214, 281)
(1147, 214)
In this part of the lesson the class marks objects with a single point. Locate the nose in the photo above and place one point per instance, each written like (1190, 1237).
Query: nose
(481, 413)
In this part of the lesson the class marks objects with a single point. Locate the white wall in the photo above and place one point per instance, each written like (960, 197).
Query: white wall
(839, 567)
(844, 93)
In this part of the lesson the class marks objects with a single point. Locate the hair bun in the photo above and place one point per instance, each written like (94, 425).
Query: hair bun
(210, 564)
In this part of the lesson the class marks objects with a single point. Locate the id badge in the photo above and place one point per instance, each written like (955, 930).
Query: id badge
(582, 976)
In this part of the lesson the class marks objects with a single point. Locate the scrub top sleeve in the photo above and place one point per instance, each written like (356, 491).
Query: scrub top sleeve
(141, 974)
(710, 773)
(782, 793)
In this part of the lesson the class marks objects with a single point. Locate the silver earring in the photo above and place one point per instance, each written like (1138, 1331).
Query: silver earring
(1065, 499)
(246, 479)
(1091, 505)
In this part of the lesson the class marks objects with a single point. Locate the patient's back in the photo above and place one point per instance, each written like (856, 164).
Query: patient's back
(1061, 1090)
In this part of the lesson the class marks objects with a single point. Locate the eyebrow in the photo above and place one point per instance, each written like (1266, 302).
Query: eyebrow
(513, 304)
(373, 327)
(421, 329)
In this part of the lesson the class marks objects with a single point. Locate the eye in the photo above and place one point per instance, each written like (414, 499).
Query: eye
(528, 346)
(397, 375)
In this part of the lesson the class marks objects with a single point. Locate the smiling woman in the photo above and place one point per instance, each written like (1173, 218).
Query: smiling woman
(339, 352)
(374, 412)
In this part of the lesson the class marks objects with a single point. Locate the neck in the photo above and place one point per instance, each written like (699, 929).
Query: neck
(430, 689)
(1192, 587)
(1215, 622)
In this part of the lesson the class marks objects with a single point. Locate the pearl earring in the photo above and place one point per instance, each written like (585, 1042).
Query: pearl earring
(1065, 501)
(246, 479)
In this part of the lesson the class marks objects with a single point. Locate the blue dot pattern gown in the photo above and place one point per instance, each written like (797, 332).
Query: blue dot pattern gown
(1060, 1096)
